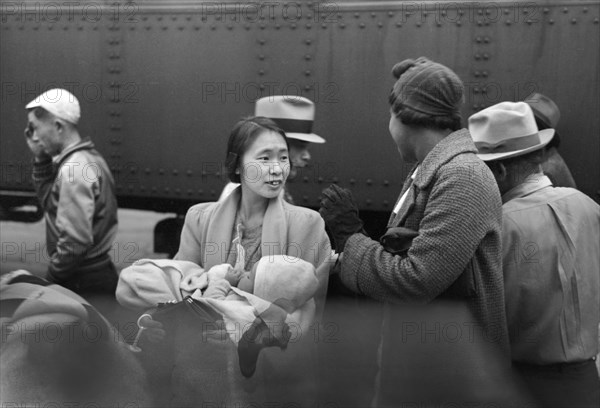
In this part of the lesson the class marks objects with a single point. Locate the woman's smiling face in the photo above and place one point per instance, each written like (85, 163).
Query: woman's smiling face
(265, 165)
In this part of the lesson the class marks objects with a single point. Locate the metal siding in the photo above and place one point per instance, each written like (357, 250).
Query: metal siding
(37, 56)
(179, 108)
(173, 84)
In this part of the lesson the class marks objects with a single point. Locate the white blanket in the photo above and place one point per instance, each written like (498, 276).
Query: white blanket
(149, 282)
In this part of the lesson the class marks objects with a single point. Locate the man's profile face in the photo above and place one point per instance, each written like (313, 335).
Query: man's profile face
(45, 130)
(299, 155)
(500, 175)
(401, 134)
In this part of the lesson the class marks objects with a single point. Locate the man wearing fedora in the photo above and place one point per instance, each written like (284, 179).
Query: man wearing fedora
(547, 116)
(295, 116)
(551, 242)
(76, 190)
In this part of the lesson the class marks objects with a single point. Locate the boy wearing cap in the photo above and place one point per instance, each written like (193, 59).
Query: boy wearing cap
(551, 242)
(295, 116)
(76, 190)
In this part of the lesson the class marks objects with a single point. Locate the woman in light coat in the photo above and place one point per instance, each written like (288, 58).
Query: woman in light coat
(253, 222)
(255, 214)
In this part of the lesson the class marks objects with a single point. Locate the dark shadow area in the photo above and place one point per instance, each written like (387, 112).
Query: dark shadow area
(167, 234)
(29, 211)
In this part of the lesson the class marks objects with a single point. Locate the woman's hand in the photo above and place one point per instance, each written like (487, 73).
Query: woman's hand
(233, 276)
(153, 329)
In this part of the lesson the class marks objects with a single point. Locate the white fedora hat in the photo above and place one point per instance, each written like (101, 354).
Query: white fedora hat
(60, 102)
(293, 114)
(505, 130)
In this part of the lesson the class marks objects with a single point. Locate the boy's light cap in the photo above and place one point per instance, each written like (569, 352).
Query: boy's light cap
(60, 102)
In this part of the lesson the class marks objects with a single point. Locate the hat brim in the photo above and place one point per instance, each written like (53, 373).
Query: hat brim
(306, 137)
(545, 122)
(33, 104)
(546, 136)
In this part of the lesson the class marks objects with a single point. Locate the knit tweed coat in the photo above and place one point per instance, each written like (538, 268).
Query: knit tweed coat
(455, 206)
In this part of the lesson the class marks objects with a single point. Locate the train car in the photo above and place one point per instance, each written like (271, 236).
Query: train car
(162, 82)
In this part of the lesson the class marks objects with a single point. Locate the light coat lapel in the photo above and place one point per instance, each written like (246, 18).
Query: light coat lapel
(220, 229)
(274, 230)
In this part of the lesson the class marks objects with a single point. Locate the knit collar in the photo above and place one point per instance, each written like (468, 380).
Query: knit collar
(456, 143)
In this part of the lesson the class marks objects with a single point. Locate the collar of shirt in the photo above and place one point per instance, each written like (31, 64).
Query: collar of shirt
(82, 144)
(532, 184)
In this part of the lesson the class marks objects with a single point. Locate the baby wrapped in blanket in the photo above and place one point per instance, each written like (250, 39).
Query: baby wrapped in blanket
(269, 300)
(259, 306)
(221, 278)
(279, 277)
(289, 282)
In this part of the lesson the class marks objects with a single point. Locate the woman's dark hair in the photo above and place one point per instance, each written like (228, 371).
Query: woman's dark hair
(410, 117)
(242, 136)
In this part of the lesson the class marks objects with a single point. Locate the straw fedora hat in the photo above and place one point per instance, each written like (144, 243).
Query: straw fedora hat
(293, 114)
(505, 130)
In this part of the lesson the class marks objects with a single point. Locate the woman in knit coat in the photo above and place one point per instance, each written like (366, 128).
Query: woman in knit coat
(450, 207)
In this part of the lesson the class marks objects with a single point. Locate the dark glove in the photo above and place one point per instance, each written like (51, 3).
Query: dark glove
(397, 240)
(340, 213)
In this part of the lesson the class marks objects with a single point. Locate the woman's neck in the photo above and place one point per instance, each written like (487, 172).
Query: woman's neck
(252, 209)
(427, 139)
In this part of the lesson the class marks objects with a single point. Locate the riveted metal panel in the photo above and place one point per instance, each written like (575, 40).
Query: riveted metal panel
(552, 50)
(43, 50)
(188, 95)
(175, 76)
(502, 52)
